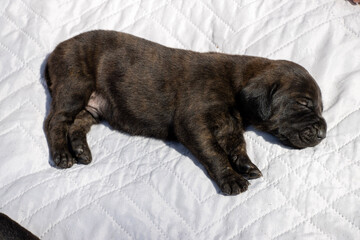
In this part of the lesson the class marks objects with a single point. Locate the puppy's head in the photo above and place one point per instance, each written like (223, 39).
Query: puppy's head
(284, 100)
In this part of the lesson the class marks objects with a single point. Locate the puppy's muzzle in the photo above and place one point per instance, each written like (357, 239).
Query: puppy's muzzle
(314, 134)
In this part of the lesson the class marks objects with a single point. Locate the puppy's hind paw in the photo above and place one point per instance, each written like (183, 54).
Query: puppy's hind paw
(63, 159)
(81, 150)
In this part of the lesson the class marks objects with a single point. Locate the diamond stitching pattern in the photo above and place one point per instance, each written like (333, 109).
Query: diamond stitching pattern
(129, 167)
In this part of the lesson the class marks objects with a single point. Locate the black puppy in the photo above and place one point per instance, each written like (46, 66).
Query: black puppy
(202, 100)
(11, 230)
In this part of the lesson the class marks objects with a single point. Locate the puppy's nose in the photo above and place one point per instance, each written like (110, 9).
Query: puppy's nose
(321, 133)
(321, 128)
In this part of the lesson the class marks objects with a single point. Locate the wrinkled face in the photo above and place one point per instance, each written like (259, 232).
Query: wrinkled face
(296, 110)
(297, 116)
(288, 107)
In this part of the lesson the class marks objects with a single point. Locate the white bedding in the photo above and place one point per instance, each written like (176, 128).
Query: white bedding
(140, 188)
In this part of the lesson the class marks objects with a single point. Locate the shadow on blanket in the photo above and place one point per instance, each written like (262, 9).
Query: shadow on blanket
(267, 137)
(9, 229)
(48, 99)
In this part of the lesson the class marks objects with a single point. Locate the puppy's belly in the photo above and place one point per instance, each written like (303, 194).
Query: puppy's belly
(96, 105)
(122, 118)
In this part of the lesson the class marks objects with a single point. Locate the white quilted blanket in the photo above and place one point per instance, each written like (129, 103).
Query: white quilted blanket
(140, 188)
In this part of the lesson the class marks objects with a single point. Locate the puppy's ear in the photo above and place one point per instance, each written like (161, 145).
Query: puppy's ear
(255, 99)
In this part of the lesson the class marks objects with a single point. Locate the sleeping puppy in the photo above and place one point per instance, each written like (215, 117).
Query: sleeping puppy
(202, 100)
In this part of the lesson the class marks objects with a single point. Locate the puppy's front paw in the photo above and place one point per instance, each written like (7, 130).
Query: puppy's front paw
(243, 165)
(63, 158)
(233, 184)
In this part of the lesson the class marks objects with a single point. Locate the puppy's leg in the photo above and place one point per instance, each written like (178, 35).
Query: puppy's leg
(198, 138)
(77, 136)
(69, 98)
(229, 134)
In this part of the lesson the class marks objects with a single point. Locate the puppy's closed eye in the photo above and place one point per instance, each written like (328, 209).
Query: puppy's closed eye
(305, 102)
